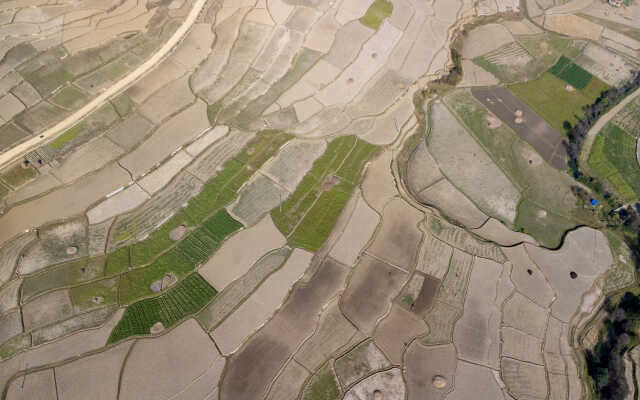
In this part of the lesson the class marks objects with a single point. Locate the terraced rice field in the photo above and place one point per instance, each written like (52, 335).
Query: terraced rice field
(613, 157)
(308, 216)
(185, 299)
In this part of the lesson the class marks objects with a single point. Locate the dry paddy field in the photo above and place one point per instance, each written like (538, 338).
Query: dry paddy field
(273, 213)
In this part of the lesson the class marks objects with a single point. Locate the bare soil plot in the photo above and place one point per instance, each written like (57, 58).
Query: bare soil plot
(466, 164)
(64, 202)
(261, 305)
(36, 386)
(9, 295)
(523, 314)
(10, 326)
(396, 330)
(461, 239)
(120, 203)
(40, 116)
(252, 369)
(41, 183)
(168, 100)
(388, 384)
(257, 198)
(10, 106)
(360, 362)
(423, 364)
(72, 346)
(177, 131)
(524, 379)
(444, 196)
(236, 257)
(378, 186)
(572, 269)
(610, 67)
(195, 46)
(475, 381)
(293, 161)
(398, 238)
(528, 278)
(47, 309)
(422, 169)
(476, 333)
(356, 234)
(531, 127)
(83, 321)
(173, 361)
(287, 386)
(519, 345)
(203, 142)
(434, 256)
(334, 333)
(496, 232)
(52, 246)
(484, 39)
(11, 134)
(226, 301)
(95, 376)
(26, 93)
(157, 179)
(573, 25)
(86, 159)
(372, 286)
(10, 254)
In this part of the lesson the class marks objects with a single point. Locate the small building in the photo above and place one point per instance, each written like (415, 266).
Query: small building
(616, 3)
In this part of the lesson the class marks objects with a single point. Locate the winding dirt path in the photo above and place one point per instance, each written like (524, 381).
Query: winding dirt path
(116, 88)
(593, 132)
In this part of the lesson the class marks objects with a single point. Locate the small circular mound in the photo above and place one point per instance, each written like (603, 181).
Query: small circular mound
(541, 214)
(439, 382)
(374, 55)
(529, 271)
(71, 250)
(178, 233)
(573, 275)
(518, 113)
(156, 328)
(493, 122)
(519, 120)
(350, 81)
(569, 88)
(98, 299)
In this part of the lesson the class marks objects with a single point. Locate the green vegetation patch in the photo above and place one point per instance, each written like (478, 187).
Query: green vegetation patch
(68, 136)
(571, 73)
(376, 13)
(61, 276)
(94, 294)
(118, 261)
(123, 105)
(629, 118)
(528, 57)
(179, 302)
(550, 98)
(308, 216)
(322, 386)
(613, 157)
(143, 252)
(69, 97)
(18, 175)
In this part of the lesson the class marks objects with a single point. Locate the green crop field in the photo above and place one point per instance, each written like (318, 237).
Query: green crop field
(549, 98)
(308, 216)
(159, 241)
(118, 261)
(571, 73)
(82, 296)
(69, 97)
(64, 275)
(198, 246)
(629, 118)
(185, 299)
(322, 386)
(613, 157)
(376, 13)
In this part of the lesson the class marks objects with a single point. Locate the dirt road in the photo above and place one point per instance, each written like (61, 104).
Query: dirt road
(593, 132)
(118, 87)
